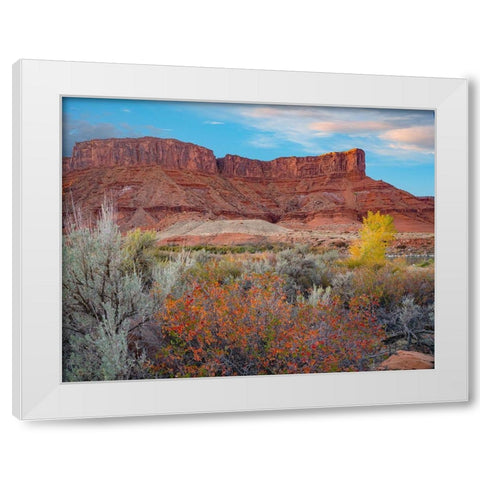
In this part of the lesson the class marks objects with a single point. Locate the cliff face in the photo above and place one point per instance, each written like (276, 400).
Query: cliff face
(172, 154)
(351, 164)
(115, 152)
(158, 182)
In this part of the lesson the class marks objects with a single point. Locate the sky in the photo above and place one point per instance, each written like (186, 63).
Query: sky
(399, 144)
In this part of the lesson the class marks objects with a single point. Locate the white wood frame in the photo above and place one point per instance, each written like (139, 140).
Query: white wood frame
(38, 392)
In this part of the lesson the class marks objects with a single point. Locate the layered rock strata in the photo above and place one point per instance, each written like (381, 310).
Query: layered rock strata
(158, 182)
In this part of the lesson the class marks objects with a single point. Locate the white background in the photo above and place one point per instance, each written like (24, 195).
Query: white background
(405, 38)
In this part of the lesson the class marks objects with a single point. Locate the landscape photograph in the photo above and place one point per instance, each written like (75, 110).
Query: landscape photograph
(215, 239)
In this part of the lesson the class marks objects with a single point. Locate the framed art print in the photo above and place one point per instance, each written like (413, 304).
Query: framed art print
(195, 240)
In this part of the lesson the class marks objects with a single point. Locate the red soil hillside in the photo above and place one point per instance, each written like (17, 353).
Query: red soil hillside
(157, 183)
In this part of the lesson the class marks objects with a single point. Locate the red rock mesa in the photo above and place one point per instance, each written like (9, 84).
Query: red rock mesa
(157, 182)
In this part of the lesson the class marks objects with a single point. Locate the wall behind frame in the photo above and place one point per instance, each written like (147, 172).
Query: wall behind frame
(351, 37)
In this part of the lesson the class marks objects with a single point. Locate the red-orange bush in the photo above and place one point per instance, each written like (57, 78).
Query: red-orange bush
(246, 327)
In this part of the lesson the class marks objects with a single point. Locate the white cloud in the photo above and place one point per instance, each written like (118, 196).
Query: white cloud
(419, 138)
(366, 127)
(263, 141)
(319, 128)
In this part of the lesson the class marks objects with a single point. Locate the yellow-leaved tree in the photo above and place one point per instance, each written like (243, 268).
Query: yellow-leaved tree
(377, 233)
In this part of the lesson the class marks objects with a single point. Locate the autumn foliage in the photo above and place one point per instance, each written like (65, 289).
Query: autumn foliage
(134, 311)
(246, 327)
(375, 235)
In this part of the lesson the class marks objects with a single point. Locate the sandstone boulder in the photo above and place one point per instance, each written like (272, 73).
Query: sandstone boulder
(407, 360)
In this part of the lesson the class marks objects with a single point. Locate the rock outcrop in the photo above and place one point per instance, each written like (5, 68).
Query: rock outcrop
(158, 182)
(133, 152)
(172, 154)
(351, 164)
(407, 360)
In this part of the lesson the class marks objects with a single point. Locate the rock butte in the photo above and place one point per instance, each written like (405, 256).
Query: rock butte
(158, 182)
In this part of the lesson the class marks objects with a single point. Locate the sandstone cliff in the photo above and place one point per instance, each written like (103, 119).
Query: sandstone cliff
(168, 153)
(158, 182)
(351, 163)
(172, 154)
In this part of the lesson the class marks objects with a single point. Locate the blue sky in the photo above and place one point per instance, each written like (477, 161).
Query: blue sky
(399, 144)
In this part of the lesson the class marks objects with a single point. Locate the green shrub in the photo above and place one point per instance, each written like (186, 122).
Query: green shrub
(170, 277)
(140, 254)
(302, 270)
(101, 304)
(221, 271)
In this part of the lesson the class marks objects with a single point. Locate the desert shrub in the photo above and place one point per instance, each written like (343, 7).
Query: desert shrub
(409, 324)
(226, 249)
(419, 283)
(392, 281)
(260, 264)
(202, 256)
(383, 283)
(104, 354)
(317, 296)
(409, 315)
(376, 234)
(426, 263)
(132, 309)
(342, 285)
(405, 296)
(170, 277)
(222, 270)
(302, 271)
(101, 304)
(140, 254)
(227, 329)
(353, 336)
(330, 257)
